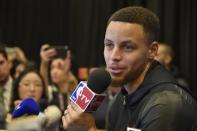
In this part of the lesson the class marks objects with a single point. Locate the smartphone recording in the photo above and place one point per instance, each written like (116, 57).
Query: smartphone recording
(61, 51)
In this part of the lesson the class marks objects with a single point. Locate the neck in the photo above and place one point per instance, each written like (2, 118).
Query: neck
(133, 85)
(63, 87)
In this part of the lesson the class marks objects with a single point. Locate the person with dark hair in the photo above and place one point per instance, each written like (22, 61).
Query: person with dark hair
(150, 98)
(30, 84)
(5, 79)
(55, 68)
(165, 56)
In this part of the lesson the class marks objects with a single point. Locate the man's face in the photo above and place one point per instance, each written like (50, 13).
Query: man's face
(126, 51)
(4, 69)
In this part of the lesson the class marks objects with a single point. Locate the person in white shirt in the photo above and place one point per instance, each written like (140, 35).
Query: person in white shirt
(5, 79)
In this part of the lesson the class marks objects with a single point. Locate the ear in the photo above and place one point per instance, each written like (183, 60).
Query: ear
(153, 48)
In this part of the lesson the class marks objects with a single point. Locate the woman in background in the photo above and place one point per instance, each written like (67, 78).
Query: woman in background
(30, 84)
(56, 70)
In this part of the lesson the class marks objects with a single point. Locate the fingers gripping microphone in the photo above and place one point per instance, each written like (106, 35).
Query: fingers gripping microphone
(88, 96)
(26, 107)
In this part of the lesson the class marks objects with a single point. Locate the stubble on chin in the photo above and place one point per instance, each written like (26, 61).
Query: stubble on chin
(117, 82)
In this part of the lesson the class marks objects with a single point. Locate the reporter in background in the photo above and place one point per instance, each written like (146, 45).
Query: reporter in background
(165, 56)
(30, 84)
(5, 79)
(56, 69)
(150, 98)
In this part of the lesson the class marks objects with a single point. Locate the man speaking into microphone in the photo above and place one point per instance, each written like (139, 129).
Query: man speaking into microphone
(150, 98)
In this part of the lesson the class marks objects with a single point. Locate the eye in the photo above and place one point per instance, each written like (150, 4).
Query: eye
(128, 47)
(25, 84)
(38, 85)
(109, 45)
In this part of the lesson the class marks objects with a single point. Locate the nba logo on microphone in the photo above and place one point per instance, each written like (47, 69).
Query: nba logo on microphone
(82, 96)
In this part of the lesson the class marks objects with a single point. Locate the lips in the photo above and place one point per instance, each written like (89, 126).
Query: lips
(32, 96)
(115, 70)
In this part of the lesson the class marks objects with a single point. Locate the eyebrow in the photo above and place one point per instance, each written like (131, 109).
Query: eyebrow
(31, 81)
(124, 42)
(129, 41)
(108, 40)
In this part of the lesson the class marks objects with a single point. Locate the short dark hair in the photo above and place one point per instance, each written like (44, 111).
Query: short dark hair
(15, 89)
(3, 51)
(139, 15)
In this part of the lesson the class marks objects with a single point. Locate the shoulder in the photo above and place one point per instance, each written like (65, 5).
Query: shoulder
(165, 97)
(169, 94)
(167, 106)
(170, 101)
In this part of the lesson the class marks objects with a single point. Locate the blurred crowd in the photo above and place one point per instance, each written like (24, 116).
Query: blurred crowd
(50, 86)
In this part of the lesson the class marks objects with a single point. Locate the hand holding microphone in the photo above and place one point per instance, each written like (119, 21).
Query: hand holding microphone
(87, 98)
(28, 112)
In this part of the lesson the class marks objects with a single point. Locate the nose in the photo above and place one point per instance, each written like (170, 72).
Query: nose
(116, 54)
(32, 87)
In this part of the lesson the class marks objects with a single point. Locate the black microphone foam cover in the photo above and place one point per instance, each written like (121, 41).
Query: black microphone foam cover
(99, 80)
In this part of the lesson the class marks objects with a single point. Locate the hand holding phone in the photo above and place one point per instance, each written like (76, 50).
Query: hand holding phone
(61, 51)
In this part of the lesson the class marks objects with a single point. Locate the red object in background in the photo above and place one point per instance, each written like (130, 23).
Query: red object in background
(83, 73)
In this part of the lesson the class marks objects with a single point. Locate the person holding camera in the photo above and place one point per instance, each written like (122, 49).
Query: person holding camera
(55, 67)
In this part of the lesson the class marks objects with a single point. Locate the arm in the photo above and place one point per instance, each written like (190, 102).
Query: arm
(20, 55)
(45, 55)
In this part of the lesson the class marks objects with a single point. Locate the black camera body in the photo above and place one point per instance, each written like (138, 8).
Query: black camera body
(61, 51)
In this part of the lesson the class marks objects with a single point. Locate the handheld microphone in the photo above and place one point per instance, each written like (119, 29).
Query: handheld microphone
(28, 113)
(27, 107)
(88, 96)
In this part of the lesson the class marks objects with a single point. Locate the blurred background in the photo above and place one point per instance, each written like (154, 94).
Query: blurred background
(81, 24)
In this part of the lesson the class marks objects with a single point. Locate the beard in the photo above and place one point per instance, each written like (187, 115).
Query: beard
(129, 77)
(117, 82)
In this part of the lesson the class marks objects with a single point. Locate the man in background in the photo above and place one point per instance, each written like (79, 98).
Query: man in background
(165, 56)
(5, 79)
